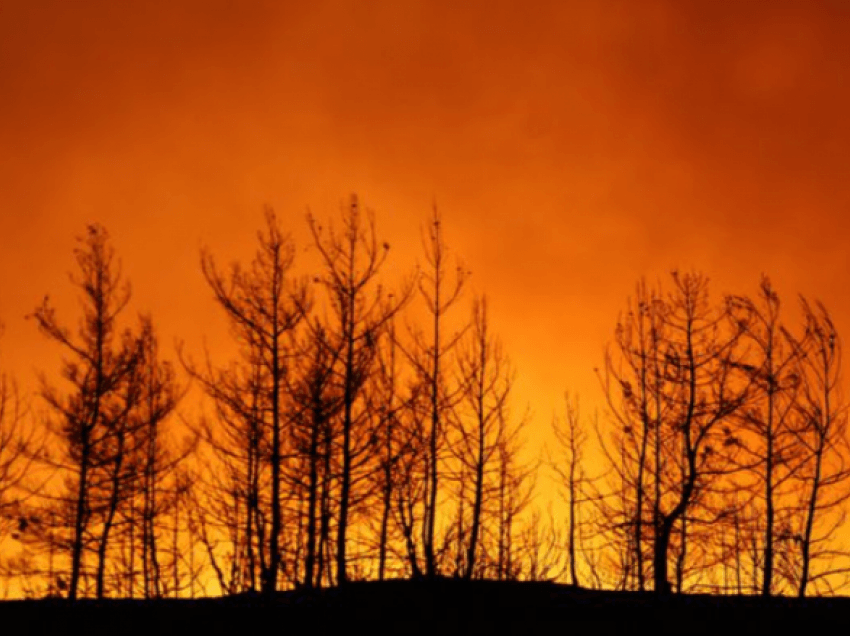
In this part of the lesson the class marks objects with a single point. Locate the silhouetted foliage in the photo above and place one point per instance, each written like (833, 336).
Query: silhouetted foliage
(263, 306)
(571, 438)
(428, 354)
(338, 447)
(92, 420)
(825, 473)
(725, 429)
(352, 257)
(19, 447)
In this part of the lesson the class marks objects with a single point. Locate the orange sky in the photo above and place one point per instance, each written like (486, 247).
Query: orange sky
(571, 146)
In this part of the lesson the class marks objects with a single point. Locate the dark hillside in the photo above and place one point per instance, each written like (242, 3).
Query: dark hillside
(448, 606)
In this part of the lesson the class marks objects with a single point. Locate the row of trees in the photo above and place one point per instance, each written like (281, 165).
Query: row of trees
(363, 431)
(345, 440)
(109, 465)
(727, 443)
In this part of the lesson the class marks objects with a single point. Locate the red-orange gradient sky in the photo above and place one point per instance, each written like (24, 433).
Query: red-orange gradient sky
(571, 146)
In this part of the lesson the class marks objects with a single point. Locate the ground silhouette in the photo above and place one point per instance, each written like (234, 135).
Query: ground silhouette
(448, 606)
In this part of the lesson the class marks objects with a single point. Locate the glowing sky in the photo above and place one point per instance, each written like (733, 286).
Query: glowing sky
(571, 146)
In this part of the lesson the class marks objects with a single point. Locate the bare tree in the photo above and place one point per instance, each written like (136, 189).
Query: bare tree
(634, 386)
(769, 448)
(515, 482)
(393, 399)
(317, 399)
(409, 477)
(823, 433)
(159, 457)
(540, 549)
(113, 487)
(100, 362)
(571, 438)
(428, 354)
(19, 447)
(352, 259)
(701, 359)
(232, 472)
(681, 382)
(486, 381)
(264, 305)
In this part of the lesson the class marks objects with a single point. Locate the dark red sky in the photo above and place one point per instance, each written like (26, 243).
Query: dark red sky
(571, 146)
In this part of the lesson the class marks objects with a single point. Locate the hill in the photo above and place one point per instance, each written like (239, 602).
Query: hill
(437, 607)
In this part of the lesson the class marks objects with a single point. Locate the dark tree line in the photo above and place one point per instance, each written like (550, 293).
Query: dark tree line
(110, 479)
(366, 431)
(727, 445)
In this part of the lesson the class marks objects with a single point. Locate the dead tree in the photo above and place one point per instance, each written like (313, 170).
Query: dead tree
(634, 386)
(429, 356)
(486, 381)
(159, 457)
(682, 382)
(317, 400)
(569, 468)
(822, 430)
(264, 306)
(352, 258)
(393, 398)
(769, 449)
(99, 364)
(19, 448)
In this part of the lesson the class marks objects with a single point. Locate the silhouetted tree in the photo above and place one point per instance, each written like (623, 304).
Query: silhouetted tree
(264, 305)
(540, 549)
(634, 387)
(486, 380)
(410, 478)
(769, 448)
(19, 447)
(515, 482)
(393, 399)
(317, 399)
(117, 471)
(232, 476)
(159, 456)
(440, 292)
(352, 258)
(571, 439)
(684, 385)
(92, 415)
(822, 431)
(701, 357)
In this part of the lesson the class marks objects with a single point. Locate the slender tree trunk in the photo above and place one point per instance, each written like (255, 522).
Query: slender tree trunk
(656, 503)
(312, 494)
(80, 517)
(478, 496)
(767, 582)
(175, 555)
(638, 538)
(500, 561)
(434, 381)
(131, 573)
(110, 518)
(324, 529)
(271, 575)
(431, 508)
(811, 511)
(406, 512)
(345, 486)
(571, 530)
(348, 410)
(387, 500)
(683, 554)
